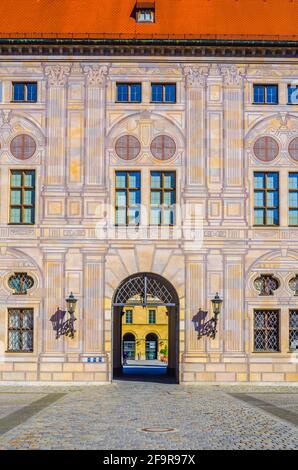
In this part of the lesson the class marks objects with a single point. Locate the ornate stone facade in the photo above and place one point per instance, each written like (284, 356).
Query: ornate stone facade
(73, 247)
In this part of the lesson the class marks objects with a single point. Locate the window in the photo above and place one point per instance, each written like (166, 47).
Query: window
(163, 92)
(128, 316)
(293, 331)
(163, 147)
(20, 330)
(20, 283)
(145, 12)
(129, 92)
(25, 91)
(22, 197)
(292, 94)
(266, 149)
(128, 197)
(23, 146)
(265, 94)
(293, 198)
(266, 198)
(266, 330)
(152, 316)
(163, 197)
(127, 147)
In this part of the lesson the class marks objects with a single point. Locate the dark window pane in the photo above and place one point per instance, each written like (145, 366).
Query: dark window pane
(122, 92)
(259, 94)
(18, 92)
(293, 94)
(272, 94)
(157, 93)
(31, 91)
(135, 93)
(170, 93)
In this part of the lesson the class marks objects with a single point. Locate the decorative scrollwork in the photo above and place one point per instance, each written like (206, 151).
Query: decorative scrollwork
(196, 76)
(20, 283)
(266, 284)
(96, 74)
(57, 74)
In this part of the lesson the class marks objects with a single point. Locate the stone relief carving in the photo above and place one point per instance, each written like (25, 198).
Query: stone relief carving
(96, 74)
(57, 74)
(196, 76)
(232, 75)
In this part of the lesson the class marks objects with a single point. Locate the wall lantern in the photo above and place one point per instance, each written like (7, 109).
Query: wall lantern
(209, 327)
(60, 325)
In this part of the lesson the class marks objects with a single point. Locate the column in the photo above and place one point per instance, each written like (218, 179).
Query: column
(56, 123)
(196, 79)
(95, 123)
(54, 264)
(195, 299)
(93, 302)
(233, 127)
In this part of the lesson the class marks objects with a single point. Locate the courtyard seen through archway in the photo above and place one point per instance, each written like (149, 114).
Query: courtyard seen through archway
(145, 329)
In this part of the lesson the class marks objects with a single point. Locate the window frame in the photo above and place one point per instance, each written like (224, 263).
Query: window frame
(266, 86)
(140, 11)
(292, 190)
(294, 89)
(20, 330)
(128, 313)
(22, 188)
(267, 329)
(127, 189)
(128, 84)
(265, 190)
(162, 191)
(25, 87)
(292, 329)
(150, 311)
(164, 85)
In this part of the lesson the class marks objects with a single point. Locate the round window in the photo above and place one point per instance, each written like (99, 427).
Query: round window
(127, 147)
(23, 146)
(293, 149)
(163, 147)
(266, 149)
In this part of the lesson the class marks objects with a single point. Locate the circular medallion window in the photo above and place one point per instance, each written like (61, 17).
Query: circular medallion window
(20, 283)
(266, 149)
(23, 146)
(293, 149)
(127, 147)
(163, 147)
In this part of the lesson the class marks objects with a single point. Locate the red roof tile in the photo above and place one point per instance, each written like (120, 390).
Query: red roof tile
(222, 19)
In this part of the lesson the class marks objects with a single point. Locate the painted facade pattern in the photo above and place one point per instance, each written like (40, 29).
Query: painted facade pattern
(73, 245)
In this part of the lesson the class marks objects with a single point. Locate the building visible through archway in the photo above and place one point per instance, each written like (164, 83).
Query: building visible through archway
(145, 327)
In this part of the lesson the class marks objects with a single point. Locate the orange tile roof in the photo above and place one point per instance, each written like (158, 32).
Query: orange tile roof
(196, 19)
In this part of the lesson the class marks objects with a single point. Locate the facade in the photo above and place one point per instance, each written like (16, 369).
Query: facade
(172, 160)
(145, 333)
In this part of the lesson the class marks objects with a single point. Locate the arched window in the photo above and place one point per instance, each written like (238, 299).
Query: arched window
(151, 346)
(129, 346)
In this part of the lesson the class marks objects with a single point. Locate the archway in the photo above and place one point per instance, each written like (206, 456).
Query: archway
(147, 291)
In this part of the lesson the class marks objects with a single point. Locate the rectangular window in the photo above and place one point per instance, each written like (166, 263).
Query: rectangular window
(265, 94)
(266, 198)
(20, 330)
(163, 92)
(292, 94)
(293, 332)
(128, 197)
(152, 316)
(129, 92)
(163, 197)
(266, 330)
(293, 198)
(128, 316)
(145, 15)
(25, 91)
(22, 197)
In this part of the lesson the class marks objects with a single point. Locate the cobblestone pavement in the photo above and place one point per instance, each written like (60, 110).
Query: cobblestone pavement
(114, 416)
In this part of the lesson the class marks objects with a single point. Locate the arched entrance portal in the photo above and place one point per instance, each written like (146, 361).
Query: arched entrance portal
(147, 292)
